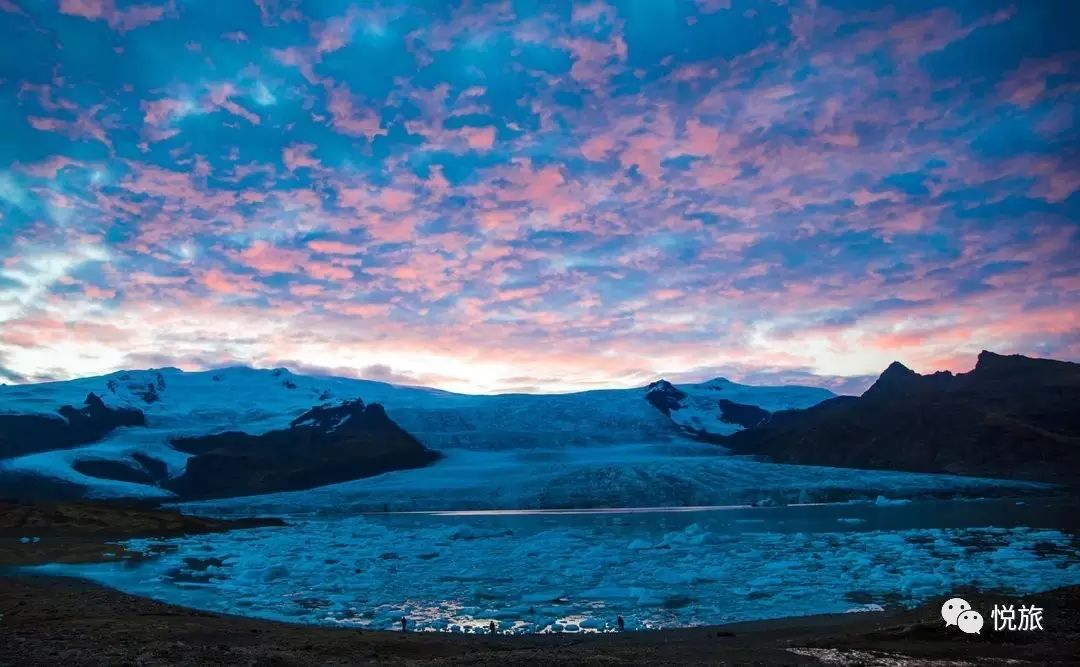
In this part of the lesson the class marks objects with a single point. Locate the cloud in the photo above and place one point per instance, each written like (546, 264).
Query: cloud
(121, 20)
(500, 196)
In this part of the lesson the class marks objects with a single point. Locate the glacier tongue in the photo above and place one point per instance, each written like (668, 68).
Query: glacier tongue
(676, 474)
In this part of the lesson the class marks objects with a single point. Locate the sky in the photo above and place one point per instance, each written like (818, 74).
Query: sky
(537, 196)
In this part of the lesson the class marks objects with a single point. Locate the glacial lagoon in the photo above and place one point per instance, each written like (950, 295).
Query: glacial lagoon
(577, 571)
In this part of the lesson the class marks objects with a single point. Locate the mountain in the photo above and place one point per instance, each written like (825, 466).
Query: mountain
(612, 442)
(1010, 417)
(70, 426)
(324, 445)
(720, 407)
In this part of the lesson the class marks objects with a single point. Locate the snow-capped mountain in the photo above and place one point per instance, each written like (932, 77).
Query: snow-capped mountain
(603, 448)
(722, 407)
(180, 404)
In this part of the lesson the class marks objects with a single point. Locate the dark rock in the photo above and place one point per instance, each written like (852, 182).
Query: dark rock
(1011, 416)
(25, 434)
(664, 396)
(112, 470)
(741, 414)
(148, 393)
(156, 469)
(29, 487)
(325, 445)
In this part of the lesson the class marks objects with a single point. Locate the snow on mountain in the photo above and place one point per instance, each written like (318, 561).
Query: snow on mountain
(697, 407)
(604, 447)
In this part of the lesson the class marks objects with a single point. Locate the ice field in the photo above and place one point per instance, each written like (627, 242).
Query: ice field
(569, 572)
(511, 427)
(673, 474)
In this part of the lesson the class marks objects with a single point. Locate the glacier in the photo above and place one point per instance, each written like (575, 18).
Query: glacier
(602, 448)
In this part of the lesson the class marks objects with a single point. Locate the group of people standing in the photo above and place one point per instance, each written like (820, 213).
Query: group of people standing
(493, 628)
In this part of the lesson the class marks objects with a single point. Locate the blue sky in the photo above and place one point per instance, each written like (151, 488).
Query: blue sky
(537, 195)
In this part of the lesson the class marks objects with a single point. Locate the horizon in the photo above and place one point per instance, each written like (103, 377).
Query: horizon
(840, 386)
(543, 198)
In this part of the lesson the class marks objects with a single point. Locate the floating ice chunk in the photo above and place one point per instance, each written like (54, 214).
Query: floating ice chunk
(473, 533)
(543, 596)
(923, 584)
(870, 607)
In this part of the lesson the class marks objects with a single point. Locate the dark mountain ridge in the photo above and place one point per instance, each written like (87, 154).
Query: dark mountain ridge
(325, 445)
(29, 433)
(1011, 416)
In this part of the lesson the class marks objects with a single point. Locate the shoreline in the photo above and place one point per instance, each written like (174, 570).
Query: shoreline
(52, 620)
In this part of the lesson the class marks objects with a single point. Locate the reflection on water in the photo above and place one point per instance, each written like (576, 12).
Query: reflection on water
(577, 571)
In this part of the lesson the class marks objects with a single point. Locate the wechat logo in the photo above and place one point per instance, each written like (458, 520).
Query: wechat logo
(957, 611)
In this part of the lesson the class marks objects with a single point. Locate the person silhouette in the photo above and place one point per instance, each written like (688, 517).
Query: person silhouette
(491, 626)
(621, 623)
(404, 624)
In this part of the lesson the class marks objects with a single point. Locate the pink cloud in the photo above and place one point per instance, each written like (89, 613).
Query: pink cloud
(396, 200)
(336, 248)
(645, 152)
(334, 33)
(85, 125)
(365, 309)
(702, 139)
(302, 59)
(220, 96)
(120, 20)
(267, 259)
(350, 119)
(479, 138)
(328, 271)
(223, 283)
(598, 147)
(298, 156)
(306, 291)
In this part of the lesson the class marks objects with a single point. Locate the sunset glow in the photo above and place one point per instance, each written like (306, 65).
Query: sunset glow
(534, 196)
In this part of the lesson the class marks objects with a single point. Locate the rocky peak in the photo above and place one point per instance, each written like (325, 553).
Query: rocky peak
(993, 364)
(329, 417)
(894, 378)
(93, 402)
(988, 358)
(664, 396)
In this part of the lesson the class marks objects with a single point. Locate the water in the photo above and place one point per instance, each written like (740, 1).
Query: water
(577, 571)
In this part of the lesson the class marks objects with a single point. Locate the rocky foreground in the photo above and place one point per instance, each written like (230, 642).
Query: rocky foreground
(84, 532)
(59, 621)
